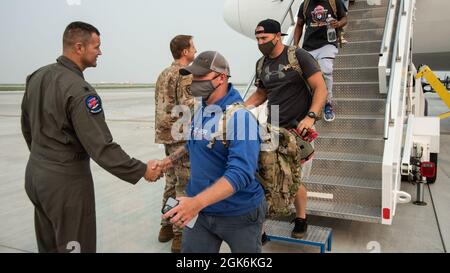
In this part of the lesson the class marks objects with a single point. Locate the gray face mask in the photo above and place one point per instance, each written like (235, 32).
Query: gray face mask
(203, 89)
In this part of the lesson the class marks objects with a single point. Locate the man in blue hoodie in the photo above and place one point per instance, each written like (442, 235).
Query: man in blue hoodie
(222, 190)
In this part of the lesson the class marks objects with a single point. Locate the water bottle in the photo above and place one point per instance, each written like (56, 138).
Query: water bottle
(331, 32)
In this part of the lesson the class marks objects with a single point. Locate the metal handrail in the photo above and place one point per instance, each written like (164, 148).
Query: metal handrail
(388, 20)
(395, 58)
(404, 11)
(386, 46)
(288, 11)
(249, 85)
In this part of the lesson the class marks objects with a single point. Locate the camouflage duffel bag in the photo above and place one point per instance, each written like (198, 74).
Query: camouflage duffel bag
(279, 162)
(280, 170)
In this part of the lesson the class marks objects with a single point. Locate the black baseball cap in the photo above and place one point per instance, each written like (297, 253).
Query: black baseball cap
(269, 26)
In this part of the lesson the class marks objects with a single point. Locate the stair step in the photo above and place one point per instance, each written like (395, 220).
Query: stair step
(367, 4)
(364, 35)
(363, 125)
(347, 182)
(358, 74)
(359, 106)
(349, 145)
(373, 12)
(367, 197)
(350, 157)
(347, 168)
(281, 230)
(365, 23)
(357, 60)
(348, 211)
(351, 135)
(357, 90)
(355, 47)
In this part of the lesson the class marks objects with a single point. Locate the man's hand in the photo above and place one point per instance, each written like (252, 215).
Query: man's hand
(335, 24)
(182, 214)
(306, 123)
(164, 164)
(153, 172)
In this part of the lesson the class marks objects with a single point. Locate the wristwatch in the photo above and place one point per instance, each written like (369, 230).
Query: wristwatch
(312, 115)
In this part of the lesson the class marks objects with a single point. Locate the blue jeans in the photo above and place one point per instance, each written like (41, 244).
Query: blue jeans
(242, 233)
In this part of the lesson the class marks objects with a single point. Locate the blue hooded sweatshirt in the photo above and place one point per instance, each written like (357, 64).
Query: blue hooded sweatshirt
(238, 162)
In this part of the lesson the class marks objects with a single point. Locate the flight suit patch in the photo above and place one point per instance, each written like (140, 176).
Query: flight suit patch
(94, 104)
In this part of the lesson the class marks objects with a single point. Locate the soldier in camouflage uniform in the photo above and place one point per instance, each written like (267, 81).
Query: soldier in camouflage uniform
(173, 89)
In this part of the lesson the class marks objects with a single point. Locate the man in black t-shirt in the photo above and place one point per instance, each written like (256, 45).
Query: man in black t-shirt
(314, 14)
(282, 86)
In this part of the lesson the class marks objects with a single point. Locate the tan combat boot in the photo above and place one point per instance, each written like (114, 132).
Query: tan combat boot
(176, 243)
(165, 234)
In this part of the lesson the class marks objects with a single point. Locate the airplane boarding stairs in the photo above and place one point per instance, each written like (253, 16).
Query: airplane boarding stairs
(353, 176)
(346, 174)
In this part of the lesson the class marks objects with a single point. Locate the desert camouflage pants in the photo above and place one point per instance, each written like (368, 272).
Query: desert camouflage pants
(176, 180)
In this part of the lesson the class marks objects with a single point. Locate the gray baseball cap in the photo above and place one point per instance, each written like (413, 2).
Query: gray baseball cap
(206, 62)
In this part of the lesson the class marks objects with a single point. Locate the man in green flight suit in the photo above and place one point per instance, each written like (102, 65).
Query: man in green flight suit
(64, 126)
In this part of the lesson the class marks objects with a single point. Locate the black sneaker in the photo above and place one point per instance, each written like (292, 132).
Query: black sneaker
(264, 238)
(300, 228)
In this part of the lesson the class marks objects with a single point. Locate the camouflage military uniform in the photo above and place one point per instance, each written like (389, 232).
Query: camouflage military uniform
(172, 89)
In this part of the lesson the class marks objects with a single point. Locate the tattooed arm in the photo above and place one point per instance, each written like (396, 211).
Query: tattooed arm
(167, 162)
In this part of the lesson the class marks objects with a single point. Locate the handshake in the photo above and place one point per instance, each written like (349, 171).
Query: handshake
(157, 168)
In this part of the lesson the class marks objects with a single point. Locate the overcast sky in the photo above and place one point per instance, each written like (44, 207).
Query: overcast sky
(135, 36)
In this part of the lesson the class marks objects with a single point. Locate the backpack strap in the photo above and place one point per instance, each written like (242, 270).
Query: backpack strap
(293, 61)
(221, 132)
(294, 64)
(259, 69)
(305, 8)
(333, 7)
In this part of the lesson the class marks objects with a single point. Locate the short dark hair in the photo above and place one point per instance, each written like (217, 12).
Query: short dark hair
(178, 44)
(78, 31)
